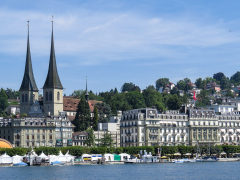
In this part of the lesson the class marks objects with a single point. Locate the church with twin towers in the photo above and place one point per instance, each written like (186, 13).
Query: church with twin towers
(52, 103)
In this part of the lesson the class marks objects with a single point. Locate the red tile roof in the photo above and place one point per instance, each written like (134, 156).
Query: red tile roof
(70, 104)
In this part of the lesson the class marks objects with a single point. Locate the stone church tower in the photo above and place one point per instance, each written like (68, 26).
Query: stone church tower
(52, 89)
(28, 90)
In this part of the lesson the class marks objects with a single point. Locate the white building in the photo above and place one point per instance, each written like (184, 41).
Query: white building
(221, 108)
(147, 127)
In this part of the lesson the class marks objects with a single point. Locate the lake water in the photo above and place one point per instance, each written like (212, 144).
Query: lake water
(208, 170)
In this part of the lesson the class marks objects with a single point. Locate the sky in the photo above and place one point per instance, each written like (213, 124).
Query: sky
(118, 41)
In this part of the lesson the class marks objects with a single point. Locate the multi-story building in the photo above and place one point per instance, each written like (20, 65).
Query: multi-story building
(203, 127)
(79, 138)
(36, 132)
(232, 102)
(147, 127)
(229, 128)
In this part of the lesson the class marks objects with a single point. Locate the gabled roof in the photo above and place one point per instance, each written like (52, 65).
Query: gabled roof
(52, 80)
(28, 82)
(71, 105)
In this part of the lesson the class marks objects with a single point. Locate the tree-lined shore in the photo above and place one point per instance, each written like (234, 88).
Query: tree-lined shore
(165, 150)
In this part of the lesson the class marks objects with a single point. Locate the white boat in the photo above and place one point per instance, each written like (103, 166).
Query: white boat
(57, 163)
(210, 159)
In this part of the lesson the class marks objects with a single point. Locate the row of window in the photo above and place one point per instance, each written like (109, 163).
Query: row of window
(38, 137)
(38, 131)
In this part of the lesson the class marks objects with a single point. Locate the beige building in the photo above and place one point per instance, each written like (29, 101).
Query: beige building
(36, 132)
(203, 126)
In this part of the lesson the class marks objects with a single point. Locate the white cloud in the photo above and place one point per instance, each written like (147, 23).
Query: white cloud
(106, 35)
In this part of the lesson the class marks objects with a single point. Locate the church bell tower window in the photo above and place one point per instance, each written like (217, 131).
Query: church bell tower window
(46, 94)
(58, 96)
(26, 98)
(22, 97)
(50, 96)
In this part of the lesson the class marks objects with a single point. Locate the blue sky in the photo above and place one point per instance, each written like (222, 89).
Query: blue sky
(118, 41)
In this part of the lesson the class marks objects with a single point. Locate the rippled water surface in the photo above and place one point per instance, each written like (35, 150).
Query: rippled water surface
(211, 170)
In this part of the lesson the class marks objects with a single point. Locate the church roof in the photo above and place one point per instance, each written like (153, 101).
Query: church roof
(28, 82)
(52, 80)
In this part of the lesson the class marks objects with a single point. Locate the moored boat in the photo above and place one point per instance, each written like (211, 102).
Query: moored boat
(20, 164)
(57, 163)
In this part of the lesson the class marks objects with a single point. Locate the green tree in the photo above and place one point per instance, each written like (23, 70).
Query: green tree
(82, 118)
(90, 138)
(127, 87)
(115, 91)
(95, 119)
(203, 99)
(162, 82)
(199, 83)
(136, 88)
(225, 83)
(174, 102)
(154, 98)
(150, 87)
(218, 76)
(78, 93)
(174, 91)
(229, 94)
(12, 94)
(3, 101)
(107, 140)
(235, 79)
(135, 99)
(104, 112)
(181, 85)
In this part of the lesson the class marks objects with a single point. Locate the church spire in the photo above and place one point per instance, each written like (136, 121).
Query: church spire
(86, 93)
(52, 80)
(28, 82)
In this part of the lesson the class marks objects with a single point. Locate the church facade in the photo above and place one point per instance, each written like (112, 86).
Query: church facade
(52, 103)
(46, 124)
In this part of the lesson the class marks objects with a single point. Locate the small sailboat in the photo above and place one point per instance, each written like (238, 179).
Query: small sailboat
(209, 158)
(197, 158)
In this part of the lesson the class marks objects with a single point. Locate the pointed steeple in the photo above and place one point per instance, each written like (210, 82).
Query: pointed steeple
(28, 82)
(86, 93)
(52, 80)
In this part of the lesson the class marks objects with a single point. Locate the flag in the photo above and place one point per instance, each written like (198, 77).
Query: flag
(194, 96)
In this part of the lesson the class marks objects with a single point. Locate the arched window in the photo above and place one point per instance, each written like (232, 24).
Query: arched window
(46, 94)
(58, 96)
(26, 98)
(33, 98)
(22, 97)
(50, 96)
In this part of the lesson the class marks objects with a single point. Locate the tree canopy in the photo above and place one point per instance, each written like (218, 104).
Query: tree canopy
(83, 118)
(162, 82)
(3, 102)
